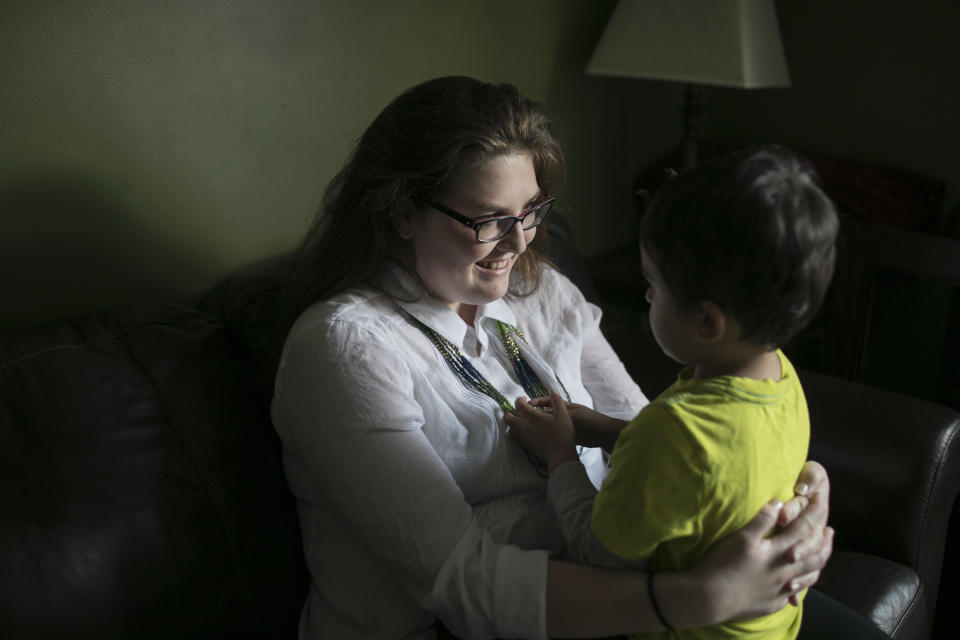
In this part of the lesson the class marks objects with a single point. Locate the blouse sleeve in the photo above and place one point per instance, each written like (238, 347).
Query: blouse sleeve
(346, 410)
(605, 377)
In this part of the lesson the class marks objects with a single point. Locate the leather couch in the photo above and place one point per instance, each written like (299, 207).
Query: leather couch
(142, 496)
(141, 492)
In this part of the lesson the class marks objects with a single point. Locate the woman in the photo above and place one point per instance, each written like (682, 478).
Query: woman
(414, 502)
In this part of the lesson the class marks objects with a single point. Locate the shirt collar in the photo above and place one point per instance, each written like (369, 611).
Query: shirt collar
(409, 295)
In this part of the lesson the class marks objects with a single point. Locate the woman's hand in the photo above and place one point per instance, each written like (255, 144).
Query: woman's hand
(810, 502)
(748, 574)
(744, 576)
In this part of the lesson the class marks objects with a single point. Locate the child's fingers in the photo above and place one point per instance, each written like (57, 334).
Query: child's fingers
(519, 419)
(559, 405)
(524, 407)
(540, 402)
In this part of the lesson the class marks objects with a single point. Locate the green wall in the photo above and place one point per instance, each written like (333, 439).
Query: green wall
(149, 147)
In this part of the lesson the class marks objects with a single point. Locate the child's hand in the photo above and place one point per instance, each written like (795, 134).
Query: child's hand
(593, 428)
(549, 435)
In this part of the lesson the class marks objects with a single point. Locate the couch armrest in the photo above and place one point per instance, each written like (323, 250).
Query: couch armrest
(894, 465)
(886, 592)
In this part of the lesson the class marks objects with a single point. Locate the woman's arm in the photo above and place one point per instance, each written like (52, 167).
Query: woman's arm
(550, 436)
(743, 587)
(744, 576)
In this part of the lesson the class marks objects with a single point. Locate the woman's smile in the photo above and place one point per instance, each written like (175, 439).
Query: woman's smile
(456, 269)
(496, 267)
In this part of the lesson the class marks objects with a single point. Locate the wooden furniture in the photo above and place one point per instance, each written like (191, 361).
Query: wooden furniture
(868, 255)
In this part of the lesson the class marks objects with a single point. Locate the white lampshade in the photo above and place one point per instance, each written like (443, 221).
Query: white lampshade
(732, 43)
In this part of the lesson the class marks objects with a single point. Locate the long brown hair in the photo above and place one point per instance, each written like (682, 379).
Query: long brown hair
(408, 154)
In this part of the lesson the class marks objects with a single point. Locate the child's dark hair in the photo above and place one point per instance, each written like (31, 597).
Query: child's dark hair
(750, 231)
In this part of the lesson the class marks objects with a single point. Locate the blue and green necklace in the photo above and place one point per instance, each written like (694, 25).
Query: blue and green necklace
(471, 376)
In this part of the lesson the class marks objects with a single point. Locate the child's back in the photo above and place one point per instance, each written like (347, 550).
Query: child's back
(696, 465)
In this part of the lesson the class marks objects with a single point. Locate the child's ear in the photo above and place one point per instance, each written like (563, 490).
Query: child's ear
(711, 322)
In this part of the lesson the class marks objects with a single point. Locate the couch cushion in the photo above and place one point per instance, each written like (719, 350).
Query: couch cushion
(888, 593)
(141, 493)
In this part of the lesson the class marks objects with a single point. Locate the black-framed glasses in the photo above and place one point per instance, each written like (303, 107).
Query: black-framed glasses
(495, 227)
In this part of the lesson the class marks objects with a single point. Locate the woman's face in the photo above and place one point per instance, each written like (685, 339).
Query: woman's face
(457, 270)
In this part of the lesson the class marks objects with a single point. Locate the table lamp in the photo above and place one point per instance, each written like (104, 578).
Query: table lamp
(728, 43)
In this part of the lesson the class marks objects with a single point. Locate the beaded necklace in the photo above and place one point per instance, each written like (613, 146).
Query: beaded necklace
(528, 379)
(469, 374)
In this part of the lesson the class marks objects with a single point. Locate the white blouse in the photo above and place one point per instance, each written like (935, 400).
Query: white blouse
(414, 502)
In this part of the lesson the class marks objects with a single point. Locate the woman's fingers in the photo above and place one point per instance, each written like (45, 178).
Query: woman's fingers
(813, 475)
(816, 558)
(765, 520)
(797, 585)
(805, 534)
(812, 481)
(812, 519)
(810, 544)
(793, 507)
(751, 571)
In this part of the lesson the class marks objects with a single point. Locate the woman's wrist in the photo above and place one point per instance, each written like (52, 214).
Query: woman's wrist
(684, 600)
(657, 610)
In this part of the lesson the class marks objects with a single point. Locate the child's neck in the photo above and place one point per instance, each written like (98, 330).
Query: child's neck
(751, 362)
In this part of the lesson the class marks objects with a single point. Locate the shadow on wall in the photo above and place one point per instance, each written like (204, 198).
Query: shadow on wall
(67, 247)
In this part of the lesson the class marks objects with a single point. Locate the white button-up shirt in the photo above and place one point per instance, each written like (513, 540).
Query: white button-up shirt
(414, 502)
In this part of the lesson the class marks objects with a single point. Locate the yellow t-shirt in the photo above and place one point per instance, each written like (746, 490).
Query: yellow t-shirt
(696, 465)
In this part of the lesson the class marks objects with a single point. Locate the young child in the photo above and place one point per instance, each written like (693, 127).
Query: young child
(738, 254)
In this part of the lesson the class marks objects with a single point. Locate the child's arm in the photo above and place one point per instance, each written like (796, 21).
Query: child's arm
(593, 429)
(571, 495)
(550, 436)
